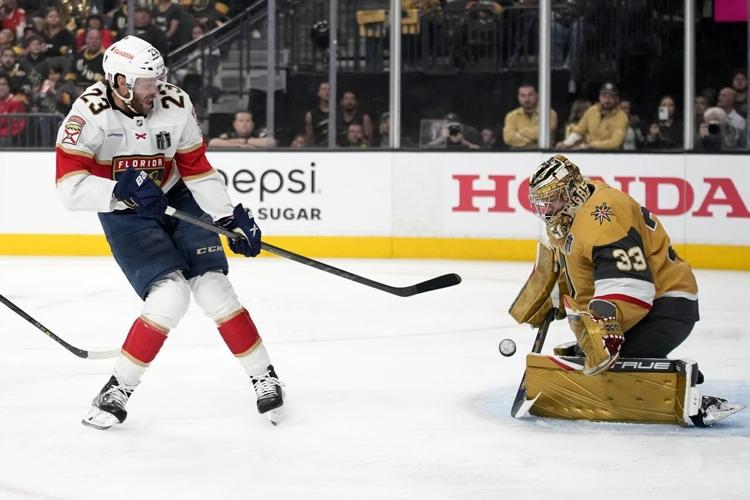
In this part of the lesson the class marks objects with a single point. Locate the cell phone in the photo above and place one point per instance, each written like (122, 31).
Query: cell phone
(713, 128)
(663, 114)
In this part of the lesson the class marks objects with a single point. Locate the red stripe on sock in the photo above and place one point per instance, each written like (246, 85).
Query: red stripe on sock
(239, 333)
(144, 341)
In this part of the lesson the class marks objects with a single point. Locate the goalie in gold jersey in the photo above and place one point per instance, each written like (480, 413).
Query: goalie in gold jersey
(626, 291)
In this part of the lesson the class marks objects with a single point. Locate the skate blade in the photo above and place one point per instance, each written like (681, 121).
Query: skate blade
(274, 416)
(720, 415)
(99, 419)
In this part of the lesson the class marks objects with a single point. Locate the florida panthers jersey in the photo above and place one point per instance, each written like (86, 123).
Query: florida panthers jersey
(618, 251)
(98, 141)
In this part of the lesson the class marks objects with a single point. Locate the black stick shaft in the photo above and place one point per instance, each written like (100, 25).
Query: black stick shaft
(443, 281)
(541, 334)
(81, 353)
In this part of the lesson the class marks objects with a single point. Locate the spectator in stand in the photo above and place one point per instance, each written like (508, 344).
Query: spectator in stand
(453, 135)
(8, 41)
(56, 95)
(577, 110)
(19, 80)
(94, 21)
(726, 101)
(349, 113)
(173, 21)
(521, 129)
(10, 128)
(145, 30)
(298, 142)
(194, 81)
(384, 130)
(489, 139)
(244, 135)
(13, 17)
(716, 133)
(739, 84)
(603, 126)
(355, 136)
(634, 137)
(316, 120)
(35, 63)
(119, 17)
(58, 40)
(207, 12)
(88, 63)
(666, 132)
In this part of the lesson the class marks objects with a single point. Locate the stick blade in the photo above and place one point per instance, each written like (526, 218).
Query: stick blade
(443, 281)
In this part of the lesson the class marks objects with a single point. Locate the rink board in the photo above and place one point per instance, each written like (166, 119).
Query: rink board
(409, 205)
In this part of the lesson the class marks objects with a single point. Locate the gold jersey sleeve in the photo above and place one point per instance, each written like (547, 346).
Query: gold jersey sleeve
(619, 252)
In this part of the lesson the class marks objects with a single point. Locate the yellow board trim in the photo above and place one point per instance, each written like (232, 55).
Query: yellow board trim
(700, 256)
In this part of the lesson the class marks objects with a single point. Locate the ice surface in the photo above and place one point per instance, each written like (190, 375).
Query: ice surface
(388, 397)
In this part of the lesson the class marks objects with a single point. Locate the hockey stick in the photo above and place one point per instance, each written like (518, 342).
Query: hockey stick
(443, 281)
(541, 334)
(81, 353)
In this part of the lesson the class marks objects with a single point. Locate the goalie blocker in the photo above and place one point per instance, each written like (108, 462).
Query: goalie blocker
(644, 390)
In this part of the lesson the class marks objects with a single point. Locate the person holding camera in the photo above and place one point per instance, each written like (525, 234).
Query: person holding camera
(666, 132)
(452, 136)
(716, 133)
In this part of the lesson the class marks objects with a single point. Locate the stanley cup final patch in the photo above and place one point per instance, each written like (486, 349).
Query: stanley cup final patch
(72, 129)
(163, 140)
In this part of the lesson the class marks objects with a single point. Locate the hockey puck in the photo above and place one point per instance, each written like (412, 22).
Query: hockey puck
(507, 347)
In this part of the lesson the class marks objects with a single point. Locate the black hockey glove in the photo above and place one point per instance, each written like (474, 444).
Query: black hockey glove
(140, 193)
(242, 222)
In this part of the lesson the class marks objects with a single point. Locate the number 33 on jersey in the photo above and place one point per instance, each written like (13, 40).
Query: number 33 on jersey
(629, 255)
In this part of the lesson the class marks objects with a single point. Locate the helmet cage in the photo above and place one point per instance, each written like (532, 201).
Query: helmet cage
(556, 192)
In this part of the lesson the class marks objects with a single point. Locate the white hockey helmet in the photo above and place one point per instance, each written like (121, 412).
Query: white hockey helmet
(133, 58)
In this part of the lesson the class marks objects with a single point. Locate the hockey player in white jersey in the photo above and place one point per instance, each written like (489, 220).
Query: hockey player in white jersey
(130, 146)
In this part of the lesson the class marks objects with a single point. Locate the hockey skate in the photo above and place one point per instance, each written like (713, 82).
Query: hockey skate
(108, 407)
(270, 394)
(712, 410)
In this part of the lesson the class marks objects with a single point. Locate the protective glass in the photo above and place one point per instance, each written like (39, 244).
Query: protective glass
(146, 86)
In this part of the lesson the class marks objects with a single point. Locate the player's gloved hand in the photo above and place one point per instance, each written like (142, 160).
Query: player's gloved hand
(598, 333)
(242, 222)
(140, 193)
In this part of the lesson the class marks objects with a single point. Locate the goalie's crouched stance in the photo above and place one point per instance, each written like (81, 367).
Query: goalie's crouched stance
(629, 298)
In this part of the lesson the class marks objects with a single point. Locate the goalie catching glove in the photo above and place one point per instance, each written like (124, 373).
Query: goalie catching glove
(598, 333)
(242, 222)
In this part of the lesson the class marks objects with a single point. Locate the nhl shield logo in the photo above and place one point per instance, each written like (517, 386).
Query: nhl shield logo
(163, 140)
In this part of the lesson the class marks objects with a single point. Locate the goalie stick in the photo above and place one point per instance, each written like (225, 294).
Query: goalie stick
(81, 353)
(437, 283)
(520, 408)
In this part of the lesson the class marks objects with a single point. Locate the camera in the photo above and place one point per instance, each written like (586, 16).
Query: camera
(713, 128)
(454, 129)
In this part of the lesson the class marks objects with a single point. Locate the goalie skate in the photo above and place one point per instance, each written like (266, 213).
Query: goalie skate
(713, 410)
(108, 407)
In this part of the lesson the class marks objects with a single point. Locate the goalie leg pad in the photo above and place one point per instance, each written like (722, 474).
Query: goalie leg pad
(635, 390)
(535, 294)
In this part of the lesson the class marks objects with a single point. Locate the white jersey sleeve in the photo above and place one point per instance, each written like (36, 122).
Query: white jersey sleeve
(206, 184)
(80, 182)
